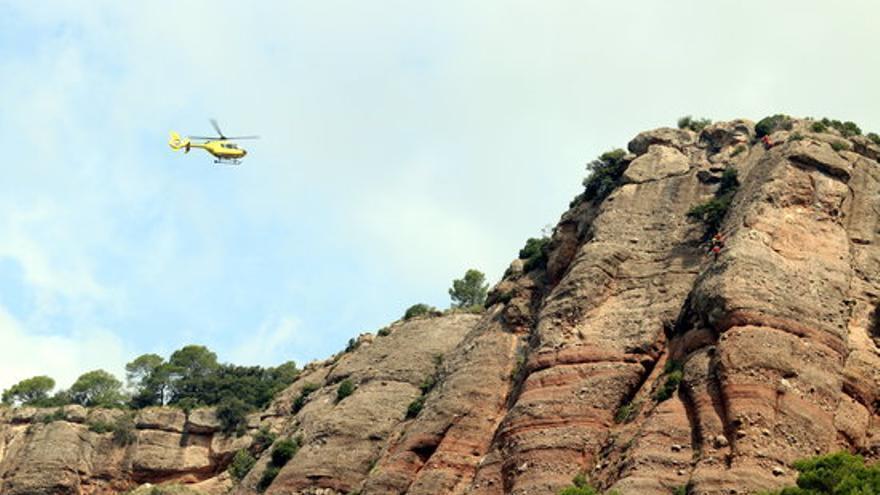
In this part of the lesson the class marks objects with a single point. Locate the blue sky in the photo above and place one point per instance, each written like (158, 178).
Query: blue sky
(402, 143)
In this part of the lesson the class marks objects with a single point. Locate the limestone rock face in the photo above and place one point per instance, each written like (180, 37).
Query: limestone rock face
(629, 356)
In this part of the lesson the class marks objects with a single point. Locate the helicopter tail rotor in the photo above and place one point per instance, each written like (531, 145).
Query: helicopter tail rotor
(176, 142)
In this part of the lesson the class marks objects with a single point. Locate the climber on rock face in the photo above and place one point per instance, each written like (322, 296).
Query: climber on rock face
(768, 143)
(715, 245)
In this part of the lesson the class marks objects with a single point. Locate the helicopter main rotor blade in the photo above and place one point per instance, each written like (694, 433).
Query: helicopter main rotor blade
(211, 138)
(231, 138)
(217, 128)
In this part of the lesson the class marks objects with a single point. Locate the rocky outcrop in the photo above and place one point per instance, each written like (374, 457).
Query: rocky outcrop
(75, 451)
(624, 354)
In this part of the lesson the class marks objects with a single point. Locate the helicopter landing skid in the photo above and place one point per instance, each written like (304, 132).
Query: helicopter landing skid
(227, 162)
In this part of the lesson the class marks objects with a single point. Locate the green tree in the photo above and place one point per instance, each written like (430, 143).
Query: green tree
(149, 378)
(470, 290)
(232, 414)
(32, 391)
(193, 361)
(190, 368)
(139, 371)
(155, 389)
(97, 388)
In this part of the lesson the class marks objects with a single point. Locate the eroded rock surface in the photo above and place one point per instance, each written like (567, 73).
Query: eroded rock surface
(572, 368)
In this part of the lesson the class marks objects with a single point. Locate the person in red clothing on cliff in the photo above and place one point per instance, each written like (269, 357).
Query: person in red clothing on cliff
(716, 244)
(768, 143)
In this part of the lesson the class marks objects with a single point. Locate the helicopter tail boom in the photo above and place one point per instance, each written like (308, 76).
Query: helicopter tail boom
(176, 142)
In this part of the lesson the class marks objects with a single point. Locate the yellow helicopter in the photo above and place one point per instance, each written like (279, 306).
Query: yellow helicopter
(220, 146)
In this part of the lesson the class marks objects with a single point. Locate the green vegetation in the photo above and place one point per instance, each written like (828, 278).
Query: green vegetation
(123, 429)
(345, 389)
(680, 490)
(241, 464)
(269, 475)
(428, 384)
(97, 388)
(769, 125)
(352, 345)
(29, 392)
(263, 439)
(56, 415)
(469, 290)
(846, 129)
(535, 253)
(839, 146)
(740, 148)
(300, 401)
(383, 332)
(415, 407)
(232, 413)
(419, 310)
(283, 452)
(605, 174)
(192, 377)
(819, 127)
(672, 374)
(712, 212)
(874, 137)
(696, 125)
(627, 412)
(834, 474)
(580, 486)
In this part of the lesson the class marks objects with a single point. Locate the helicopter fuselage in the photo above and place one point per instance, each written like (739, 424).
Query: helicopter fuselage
(223, 150)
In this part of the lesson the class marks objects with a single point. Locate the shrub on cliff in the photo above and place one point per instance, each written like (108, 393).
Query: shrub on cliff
(241, 464)
(269, 475)
(605, 173)
(415, 407)
(419, 309)
(769, 125)
(232, 415)
(874, 137)
(345, 389)
(303, 396)
(582, 487)
(834, 474)
(712, 212)
(284, 450)
(846, 129)
(696, 125)
(534, 253)
(123, 429)
(672, 375)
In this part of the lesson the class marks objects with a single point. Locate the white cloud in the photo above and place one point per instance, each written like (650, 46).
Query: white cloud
(404, 141)
(278, 339)
(63, 358)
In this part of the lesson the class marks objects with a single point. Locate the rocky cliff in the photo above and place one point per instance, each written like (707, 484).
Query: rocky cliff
(627, 354)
